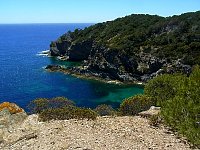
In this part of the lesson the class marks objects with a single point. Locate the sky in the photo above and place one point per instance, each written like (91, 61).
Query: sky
(88, 11)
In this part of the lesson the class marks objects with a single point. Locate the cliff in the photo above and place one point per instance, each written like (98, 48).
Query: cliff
(133, 48)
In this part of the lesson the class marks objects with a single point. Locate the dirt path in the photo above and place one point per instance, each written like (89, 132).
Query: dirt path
(106, 133)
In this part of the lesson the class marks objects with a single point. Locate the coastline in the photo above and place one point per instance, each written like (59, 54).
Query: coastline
(58, 68)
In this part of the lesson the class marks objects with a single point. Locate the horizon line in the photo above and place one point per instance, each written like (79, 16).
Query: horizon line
(99, 21)
(50, 23)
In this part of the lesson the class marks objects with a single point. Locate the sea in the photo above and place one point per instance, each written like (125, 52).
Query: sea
(23, 77)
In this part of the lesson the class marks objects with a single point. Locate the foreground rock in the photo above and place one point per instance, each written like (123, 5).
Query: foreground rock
(11, 115)
(153, 111)
(107, 133)
(11, 118)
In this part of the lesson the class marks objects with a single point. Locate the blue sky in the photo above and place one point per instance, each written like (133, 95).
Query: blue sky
(87, 11)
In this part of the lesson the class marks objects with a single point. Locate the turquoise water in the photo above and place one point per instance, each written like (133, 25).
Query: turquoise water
(22, 77)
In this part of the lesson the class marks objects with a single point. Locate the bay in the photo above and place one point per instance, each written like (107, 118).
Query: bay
(22, 74)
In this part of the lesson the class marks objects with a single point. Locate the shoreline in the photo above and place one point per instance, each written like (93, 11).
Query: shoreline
(59, 68)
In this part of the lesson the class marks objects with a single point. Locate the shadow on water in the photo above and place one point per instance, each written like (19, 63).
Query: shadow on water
(55, 61)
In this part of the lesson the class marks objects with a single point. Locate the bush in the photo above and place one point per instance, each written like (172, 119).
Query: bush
(85, 113)
(59, 108)
(163, 87)
(155, 120)
(136, 104)
(59, 102)
(182, 112)
(40, 104)
(105, 110)
(67, 113)
(180, 103)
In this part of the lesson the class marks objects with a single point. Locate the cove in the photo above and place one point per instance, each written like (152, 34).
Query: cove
(23, 77)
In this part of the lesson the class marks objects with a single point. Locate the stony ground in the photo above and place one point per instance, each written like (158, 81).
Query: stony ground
(105, 133)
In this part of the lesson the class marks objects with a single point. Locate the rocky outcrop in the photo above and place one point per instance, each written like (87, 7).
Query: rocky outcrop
(110, 65)
(26, 130)
(59, 48)
(11, 117)
(74, 51)
(153, 111)
(121, 50)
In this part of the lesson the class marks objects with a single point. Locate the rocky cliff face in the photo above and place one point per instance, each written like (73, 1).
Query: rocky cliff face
(75, 52)
(112, 65)
(133, 53)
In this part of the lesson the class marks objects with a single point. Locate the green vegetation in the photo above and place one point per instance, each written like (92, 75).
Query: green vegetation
(67, 113)
(163, 87)
(136, 104)
(105, 110)
(59, 108)
(155, 120)
(40, 104)
(172, 37)
(179, 97)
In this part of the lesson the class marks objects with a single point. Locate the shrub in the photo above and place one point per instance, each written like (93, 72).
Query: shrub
(136, 104)
(67, 113)
(59, 108)
(163, 87)
(182, 112)
(105, 110)
(40, 104)
(180, 103)
(155, 120)
(82, 113)
(37, 105)
(59, 102)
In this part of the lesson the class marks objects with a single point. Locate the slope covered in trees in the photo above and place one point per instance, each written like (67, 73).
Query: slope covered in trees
(134, 46)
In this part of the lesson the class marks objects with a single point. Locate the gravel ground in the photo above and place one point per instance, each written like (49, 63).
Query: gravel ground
(105, 133)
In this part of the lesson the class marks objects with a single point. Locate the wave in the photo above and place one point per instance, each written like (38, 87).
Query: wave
(43, 53)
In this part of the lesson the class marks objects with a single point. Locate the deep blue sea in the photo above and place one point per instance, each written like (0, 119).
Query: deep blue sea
(22, 77)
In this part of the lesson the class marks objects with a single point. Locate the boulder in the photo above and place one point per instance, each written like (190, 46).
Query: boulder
(4, 118)
(151, 112)
(11, 115)
(12, 107)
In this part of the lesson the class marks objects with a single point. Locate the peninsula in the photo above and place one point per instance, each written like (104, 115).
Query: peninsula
(134, 48)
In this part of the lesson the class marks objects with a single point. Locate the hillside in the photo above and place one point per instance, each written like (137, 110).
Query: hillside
(133, 48)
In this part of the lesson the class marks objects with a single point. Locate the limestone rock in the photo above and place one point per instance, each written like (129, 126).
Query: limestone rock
(12, 107)
(151, 112)
(4, 118)
(30, 123)
(11, 117)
